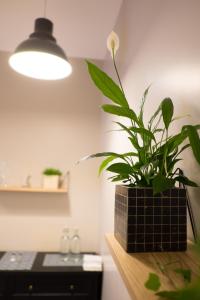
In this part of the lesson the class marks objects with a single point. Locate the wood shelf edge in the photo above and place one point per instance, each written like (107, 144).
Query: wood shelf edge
(135, 268)
(111, 244)
(31, 190)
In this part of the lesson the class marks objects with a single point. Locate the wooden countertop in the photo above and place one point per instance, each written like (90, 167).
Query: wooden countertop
(135, 268)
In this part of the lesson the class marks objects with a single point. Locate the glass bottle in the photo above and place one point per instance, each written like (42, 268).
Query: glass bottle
(65, 244)
(3, 169)
(75, 245)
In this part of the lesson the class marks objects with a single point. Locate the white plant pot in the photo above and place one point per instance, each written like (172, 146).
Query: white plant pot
(50, 181)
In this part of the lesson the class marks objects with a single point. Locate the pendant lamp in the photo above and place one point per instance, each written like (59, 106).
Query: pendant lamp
(40, 56)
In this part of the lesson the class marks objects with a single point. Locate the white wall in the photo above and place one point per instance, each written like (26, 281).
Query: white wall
(159, 44)
(46, 124)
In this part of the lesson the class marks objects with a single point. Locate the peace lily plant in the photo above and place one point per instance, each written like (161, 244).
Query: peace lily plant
(155, 152)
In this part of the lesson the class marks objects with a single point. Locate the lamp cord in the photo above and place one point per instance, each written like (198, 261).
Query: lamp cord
(45, 8)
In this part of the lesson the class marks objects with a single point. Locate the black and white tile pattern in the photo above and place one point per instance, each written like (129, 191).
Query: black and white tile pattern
(147, 223)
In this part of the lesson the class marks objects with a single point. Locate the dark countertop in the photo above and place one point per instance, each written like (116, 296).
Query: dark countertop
(39, 268)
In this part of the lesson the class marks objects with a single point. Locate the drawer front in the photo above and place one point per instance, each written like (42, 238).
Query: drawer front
(68, 286)
(2, 285)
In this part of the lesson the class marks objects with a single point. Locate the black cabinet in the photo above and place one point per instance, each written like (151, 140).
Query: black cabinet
(70, 283)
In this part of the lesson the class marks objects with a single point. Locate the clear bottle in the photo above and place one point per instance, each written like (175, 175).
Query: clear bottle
(65, 244)
(75, 245)
(3, 169)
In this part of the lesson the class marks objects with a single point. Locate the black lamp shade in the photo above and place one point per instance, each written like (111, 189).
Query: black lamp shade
(33, 56)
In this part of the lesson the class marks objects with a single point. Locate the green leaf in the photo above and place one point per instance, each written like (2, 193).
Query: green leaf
(120, 111)
(185, 181)
(52, 171)
(172, 295)
(134, 142)
(190, 292)
(119, 178)
(173, 142)
(130, 154)
(186, 273)
(197, 127)
(142, 156)
(158, 130)
(170, 165)
(105, 154)
(154, 115)
(167, 111)
(120, 168)
(125, 128)
(142, 132)
(140, 117)
(106, 85)
(153, 282)
(105, 162)
(194, 141)
(101, 154)
(161, 183)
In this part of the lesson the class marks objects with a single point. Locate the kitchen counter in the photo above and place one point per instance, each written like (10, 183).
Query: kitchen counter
(58, 282)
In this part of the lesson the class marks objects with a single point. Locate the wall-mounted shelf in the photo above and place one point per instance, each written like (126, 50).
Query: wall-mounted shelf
(135, 268)
(32, 190)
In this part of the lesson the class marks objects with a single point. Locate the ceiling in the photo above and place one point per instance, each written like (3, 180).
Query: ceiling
(81, 27)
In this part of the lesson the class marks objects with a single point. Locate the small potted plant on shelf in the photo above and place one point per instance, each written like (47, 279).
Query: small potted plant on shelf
(151, 203)
(51, 178)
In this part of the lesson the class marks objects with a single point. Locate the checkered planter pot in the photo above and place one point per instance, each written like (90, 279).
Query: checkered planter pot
(147, 223)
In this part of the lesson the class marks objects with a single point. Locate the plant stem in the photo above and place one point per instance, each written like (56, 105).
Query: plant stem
(113, 57)
(162, 137)
(120, 83)
(156, 126)
(165, 158)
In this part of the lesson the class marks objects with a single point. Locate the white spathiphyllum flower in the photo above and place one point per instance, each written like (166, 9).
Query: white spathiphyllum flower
(113, 43)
